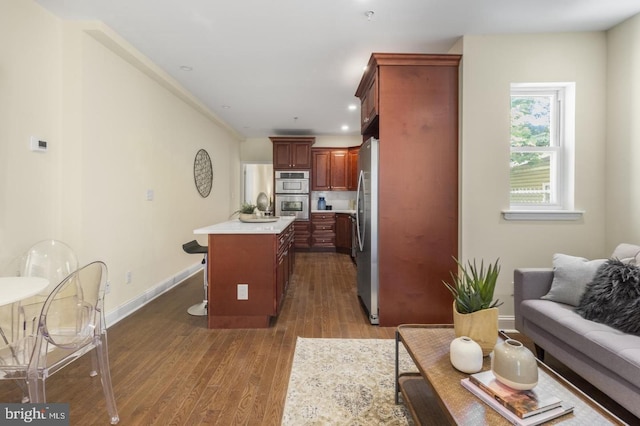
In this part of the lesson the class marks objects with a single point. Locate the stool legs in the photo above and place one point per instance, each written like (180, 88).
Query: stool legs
(200, 309)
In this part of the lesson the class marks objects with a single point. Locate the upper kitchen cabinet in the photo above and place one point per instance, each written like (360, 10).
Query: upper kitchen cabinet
(292, 152)
(415, 118)
(352, 162)
(368, 94)
(330, 169)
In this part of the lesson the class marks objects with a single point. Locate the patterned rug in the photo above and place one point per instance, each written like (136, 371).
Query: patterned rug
(345, 382)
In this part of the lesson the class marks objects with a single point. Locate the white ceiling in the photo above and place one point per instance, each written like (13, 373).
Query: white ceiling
(259, 64)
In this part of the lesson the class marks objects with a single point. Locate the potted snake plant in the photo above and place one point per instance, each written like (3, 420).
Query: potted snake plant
(475, 312)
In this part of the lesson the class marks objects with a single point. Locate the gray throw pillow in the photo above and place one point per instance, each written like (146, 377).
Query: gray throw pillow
(571, 275)
(613, 297)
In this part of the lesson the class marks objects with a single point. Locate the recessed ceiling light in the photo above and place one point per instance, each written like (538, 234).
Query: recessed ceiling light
(186, 68)
(345, 127)
(352, 107)
(226, 106)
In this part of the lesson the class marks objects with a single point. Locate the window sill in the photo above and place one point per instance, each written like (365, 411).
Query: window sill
(542, 214)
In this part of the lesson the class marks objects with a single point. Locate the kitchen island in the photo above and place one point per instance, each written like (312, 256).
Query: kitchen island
(249, 269)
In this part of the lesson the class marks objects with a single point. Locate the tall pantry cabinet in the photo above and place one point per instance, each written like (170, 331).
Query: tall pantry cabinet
(410, 103)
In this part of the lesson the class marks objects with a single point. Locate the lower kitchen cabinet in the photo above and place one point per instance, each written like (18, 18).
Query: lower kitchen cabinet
(323, 231)
(261, 262)
(302, 238)
(343, 232)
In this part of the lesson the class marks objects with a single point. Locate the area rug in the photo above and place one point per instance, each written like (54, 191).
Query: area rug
(345, 382)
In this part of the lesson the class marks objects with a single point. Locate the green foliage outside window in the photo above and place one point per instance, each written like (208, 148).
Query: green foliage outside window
(530, 129)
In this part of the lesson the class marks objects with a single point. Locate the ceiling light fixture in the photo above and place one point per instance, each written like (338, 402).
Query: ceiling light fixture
(186, 68)
(369, 14)
(352, 107)
(226, 106)
(345, 127)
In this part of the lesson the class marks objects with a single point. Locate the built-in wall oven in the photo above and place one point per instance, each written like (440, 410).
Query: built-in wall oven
(292, 193)
(293, 205)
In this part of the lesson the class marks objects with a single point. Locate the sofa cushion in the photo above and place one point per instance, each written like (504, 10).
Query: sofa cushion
(613, 297)
(618, 351)
(571, 275)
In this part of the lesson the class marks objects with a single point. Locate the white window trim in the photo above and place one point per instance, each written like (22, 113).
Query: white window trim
(542, 214)
(564, 208)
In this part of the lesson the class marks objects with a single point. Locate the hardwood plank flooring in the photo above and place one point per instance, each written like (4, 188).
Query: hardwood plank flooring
(168, 368)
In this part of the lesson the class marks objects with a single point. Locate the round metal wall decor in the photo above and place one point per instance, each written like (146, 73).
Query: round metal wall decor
(203, 173)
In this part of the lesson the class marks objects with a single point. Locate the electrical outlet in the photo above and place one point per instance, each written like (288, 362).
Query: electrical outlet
(127, 277)
(243, 291)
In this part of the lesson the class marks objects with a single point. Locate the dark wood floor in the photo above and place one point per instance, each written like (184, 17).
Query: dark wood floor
(169, 369)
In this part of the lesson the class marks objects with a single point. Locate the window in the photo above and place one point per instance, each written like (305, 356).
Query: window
(541, 148)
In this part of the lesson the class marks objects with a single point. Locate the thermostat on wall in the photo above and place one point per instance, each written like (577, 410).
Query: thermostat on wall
(38, 144)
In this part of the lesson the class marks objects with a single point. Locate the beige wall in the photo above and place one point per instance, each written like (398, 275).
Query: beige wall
(30, 90)
(489, 65)
(117, 126)
(623, 134)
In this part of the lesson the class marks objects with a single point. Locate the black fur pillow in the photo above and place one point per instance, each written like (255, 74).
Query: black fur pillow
(613, 297)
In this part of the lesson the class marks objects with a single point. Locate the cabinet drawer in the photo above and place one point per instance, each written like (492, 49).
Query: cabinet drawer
(323, 240)
(285, 238)
(324, 227)
(323, 216)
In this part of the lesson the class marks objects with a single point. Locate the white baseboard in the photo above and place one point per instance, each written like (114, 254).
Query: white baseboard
(507, 323)
(126, 309)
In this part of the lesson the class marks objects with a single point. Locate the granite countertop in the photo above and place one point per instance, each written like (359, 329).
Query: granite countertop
(237, 227)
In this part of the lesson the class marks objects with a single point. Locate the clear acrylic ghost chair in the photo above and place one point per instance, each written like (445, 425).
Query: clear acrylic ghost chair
(70, 324)
(50, 259)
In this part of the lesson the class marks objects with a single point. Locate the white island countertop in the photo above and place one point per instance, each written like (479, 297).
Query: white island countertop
(237, 227)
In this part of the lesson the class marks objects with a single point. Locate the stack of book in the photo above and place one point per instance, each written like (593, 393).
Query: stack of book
(525, 408)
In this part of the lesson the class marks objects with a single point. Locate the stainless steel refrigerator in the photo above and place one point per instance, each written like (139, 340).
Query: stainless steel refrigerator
(367, 227)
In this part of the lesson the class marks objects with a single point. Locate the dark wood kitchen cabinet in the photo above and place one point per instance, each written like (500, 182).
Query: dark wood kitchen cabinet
(352, 163)
(303, 234)
(343, 232)
(292, 152)
(330, 169)
(369, 100)
(263, 262)
(410, 104)
(323, 231)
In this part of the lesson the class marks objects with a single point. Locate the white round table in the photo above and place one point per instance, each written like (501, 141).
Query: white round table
(15, 289)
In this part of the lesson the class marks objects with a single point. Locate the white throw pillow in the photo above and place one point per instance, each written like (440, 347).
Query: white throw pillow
(627, 253)
(571, 275)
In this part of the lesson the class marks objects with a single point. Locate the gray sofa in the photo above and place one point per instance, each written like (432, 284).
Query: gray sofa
(606, 357)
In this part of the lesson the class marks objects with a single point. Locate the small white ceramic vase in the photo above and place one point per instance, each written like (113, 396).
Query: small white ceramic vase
(514, 365)
(465, 355)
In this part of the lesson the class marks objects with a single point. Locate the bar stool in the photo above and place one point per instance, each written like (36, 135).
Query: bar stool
(192, 247)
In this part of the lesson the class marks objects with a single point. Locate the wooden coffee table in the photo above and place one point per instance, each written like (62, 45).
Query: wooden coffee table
(435, 395)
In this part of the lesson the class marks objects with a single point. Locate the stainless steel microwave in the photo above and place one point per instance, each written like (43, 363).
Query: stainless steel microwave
(292, 182)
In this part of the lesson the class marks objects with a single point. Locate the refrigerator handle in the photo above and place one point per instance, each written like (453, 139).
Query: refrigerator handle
(360, 209)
